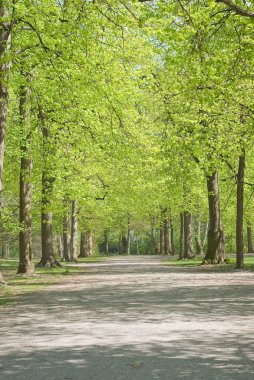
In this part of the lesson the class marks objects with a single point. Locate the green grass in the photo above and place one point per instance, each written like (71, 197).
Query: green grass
(231, 262)
(249, 260)
(184, 262)
(92, 259)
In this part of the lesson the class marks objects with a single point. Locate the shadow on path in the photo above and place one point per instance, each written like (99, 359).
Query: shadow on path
(133, 319)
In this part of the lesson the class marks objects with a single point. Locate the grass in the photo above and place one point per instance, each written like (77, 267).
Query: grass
(231, 262)
(92, 259)
(18, 285)
(184, 262)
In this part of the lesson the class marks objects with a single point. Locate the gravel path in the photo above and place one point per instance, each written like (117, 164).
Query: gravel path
(133, 319)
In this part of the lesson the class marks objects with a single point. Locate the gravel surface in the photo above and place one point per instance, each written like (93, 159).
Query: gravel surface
(133, 318)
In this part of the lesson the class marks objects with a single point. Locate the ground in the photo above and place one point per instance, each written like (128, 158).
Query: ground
(133, 318)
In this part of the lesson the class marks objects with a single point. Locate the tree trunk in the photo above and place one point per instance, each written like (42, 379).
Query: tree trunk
(181, 235)
(47, 248)
(5, 247)
(154, 240)
(198, 239)
(47, 245)
(161, 240)
(26, 265)
(74, 231)
(188, 246)
(106, 242)
(129, 238)
(137, 246)
(48, 258)
(215, 244)
(124, 245)
(5, 46)
(66, 237)
(199, 242)
(166, 236)
(59, 245)
(239, 212)
(86, 244)
(120, 244)
(249, 236)
(172, 238)
(205, 235)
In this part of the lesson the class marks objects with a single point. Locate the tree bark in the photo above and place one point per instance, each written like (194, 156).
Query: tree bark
(181, 235)
(239, 212)
(137, 246)
(200, 243)
(47, 245)
(5, 64)
(59, 245)
(161, 240)
(26, 265)
(106, 242)
(215, 244)
(74, 231)
(172, 238)
(249, 236)
(5, 247)
(188, 245)
(120, 244)
(154, 240)
(198, 240)
(48, 258)
(67, 237)
(129, 238)
(166, 236)
(205, 234)
(124, 244)
(5, 46)
(86, 244)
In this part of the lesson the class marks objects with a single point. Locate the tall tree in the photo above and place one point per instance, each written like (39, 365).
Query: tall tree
(48, 257)
(86, 244)
(188, 244)
(5, 64)
(26, 265)
(215, 244)
(74, 230)
(239, 212)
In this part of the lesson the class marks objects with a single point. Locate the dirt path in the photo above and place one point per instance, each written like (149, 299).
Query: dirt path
(133, 319)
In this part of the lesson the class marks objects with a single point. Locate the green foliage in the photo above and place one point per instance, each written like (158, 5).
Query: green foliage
(140, 102)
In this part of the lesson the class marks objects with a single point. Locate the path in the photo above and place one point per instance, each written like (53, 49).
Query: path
(133, 319)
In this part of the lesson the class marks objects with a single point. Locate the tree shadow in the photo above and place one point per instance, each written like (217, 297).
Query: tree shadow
(133, 323)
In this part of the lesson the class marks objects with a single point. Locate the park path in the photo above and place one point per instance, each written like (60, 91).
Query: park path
(133, 318)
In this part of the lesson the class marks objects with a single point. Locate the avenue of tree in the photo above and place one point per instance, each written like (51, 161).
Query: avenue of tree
(123, 122)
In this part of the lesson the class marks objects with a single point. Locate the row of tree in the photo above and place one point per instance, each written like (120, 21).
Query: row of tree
(118, 113)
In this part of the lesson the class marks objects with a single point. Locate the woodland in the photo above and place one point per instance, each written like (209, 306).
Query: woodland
(126, 127)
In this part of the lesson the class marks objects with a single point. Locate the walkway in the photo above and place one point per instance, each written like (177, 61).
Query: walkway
(133, 319)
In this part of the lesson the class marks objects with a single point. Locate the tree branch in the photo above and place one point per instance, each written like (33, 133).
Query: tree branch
(46, 48)
(238, 10)
(102, 198)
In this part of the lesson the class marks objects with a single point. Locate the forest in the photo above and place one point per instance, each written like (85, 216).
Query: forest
(126, 127)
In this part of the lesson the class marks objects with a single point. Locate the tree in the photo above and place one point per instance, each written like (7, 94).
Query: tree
(26, 265)
(5, 46)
